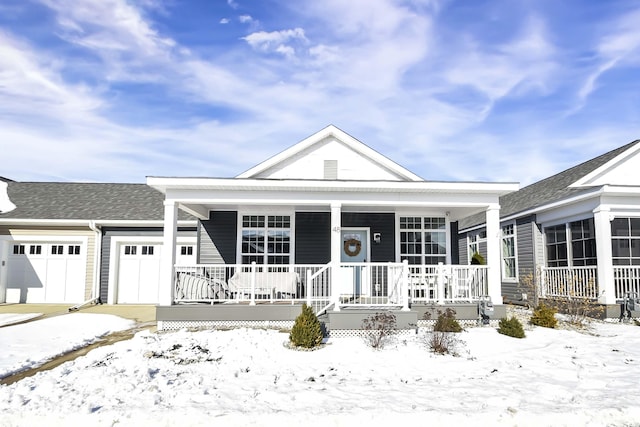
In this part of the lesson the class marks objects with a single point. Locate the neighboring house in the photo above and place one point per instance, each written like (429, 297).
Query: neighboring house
(329, 222)
(75, 242)
(577, 233)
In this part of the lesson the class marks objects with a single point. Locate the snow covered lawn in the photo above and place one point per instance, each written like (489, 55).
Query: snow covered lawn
(248, 377)
(31, 344)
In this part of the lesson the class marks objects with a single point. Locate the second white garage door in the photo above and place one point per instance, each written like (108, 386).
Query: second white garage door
(138, 274)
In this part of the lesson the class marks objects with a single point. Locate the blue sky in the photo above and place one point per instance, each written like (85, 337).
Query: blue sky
(506, 90)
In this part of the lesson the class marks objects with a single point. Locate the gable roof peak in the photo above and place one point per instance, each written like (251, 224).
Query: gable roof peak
(320, 137)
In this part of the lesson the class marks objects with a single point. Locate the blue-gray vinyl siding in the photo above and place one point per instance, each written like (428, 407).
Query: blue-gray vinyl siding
(107, 257)
(513, 291)
(455, 250)
(313, 238)
(383, 223)
(217, 238)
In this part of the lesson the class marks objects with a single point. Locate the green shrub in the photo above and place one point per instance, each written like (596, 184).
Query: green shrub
(544, 316)
(447, 322)
(511, 327)
(306, 331)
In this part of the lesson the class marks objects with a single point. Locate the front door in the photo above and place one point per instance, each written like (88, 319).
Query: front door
(355, 249)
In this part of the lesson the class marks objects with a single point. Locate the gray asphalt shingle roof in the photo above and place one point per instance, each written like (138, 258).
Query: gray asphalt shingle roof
(86, 201)
(548, 190)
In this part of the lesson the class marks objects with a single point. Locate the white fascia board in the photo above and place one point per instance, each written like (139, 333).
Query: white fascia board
(622, 190)
(585, 180)
(45, 222)
(172, 185)
(87, 223)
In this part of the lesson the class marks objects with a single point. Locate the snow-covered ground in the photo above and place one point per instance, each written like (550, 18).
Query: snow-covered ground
(11, 318)
(249, 377)
(31, 344)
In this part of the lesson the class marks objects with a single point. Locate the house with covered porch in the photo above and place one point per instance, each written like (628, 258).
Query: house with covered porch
(330, 222)
(575, 234)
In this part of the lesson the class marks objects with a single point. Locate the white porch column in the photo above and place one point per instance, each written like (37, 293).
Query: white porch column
(494, 260)
(336, 251)
(606, 284)
(168, 260)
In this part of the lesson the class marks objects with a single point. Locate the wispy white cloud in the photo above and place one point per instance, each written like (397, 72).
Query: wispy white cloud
(620, 45)
(522, 64)
(29, 79)
(276, 41)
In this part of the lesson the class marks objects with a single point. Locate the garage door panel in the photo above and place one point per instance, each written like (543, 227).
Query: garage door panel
(38, 273)
(138, 273)
(149, 280)
(56, 272)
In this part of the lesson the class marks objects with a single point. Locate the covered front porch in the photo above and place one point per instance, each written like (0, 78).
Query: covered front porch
(332, 245)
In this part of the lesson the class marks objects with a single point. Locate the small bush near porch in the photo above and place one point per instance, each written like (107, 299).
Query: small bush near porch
(306, 331)
(511, 327)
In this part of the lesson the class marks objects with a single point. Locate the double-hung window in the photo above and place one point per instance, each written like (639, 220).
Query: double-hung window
(509, 265)
(423, 240)
(266, 239)
(625, 241)
(572, 244)
(556, 237)
(583, 242)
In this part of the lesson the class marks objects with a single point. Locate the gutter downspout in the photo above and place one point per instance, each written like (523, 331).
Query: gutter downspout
(97, 256)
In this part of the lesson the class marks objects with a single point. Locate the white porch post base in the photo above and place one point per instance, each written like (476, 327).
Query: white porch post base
(404, 285)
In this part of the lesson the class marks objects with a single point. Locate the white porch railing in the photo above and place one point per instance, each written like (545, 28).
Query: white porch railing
(371, 284)
(217, 283)
(447, 283)
(359, 284)
(569, 282)
(627, 279)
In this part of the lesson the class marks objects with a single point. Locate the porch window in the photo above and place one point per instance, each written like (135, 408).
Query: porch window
(556, 237)
(270, 232)
(474, 242)
(423, 240)
(509, 269)
(583, 242)
(625, 241)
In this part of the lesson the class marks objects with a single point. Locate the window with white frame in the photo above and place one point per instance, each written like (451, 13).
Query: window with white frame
(473, 244)
(556, 238)
(266, 239)
(509, 264)
(625, 241)
(583, 242)
(423, 240)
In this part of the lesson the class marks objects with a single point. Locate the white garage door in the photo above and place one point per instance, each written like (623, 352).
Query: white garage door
(46, 272)
(138, 273)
